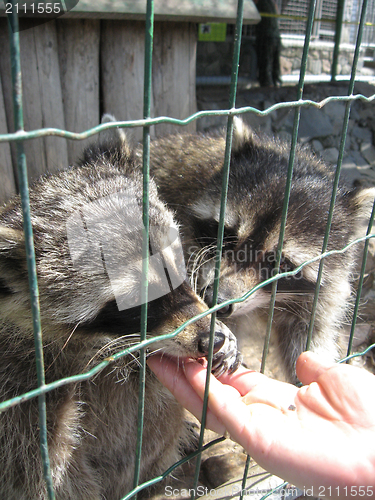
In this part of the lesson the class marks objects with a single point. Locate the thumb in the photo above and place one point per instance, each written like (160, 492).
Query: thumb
(310, 366)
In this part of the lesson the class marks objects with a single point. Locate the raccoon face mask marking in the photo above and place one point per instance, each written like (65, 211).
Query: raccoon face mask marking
(88, 239)
(188, 172)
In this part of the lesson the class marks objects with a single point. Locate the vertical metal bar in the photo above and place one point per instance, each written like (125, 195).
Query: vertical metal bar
(220, 236)
(338, 31)
(338, 170)
(29, 242)
(360, 282)
(149, 34)
(244, 477)
(310, 22)
(318, 15)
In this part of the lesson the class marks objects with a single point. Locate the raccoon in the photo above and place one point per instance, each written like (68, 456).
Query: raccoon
(188, 170)
(87, 224)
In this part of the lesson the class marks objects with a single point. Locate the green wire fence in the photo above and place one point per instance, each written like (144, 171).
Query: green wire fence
(20, 135)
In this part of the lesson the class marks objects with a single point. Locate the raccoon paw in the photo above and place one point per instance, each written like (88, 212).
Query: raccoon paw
(228, 359)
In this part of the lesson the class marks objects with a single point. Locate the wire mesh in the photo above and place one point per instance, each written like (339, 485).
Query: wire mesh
(288, 181)
(146, 232)
(30, 251)
(20, 135)
(220, 235)
(338, 170)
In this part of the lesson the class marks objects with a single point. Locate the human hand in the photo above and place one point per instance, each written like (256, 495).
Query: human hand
(319, 437)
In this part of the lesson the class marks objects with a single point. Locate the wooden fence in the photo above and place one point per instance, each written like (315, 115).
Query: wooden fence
(74, 70)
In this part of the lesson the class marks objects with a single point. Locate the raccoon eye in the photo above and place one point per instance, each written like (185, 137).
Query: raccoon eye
(286, 265)
(230, 237)
(4, 288)
(206, 231)
(269, 262)
(295, 283)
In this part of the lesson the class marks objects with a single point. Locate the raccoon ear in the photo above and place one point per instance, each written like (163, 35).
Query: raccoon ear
(11, 240)
(116, 135)
(242, 134)
(363, 199)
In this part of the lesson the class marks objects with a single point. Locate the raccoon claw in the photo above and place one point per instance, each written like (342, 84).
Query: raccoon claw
(225, 363)
(228, 359)
(236, 364)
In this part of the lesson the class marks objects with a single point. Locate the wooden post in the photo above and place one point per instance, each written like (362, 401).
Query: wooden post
(122, 57)
(175, 46)
(78, 42)
(173, 91)
(51, 103)
(7, 184)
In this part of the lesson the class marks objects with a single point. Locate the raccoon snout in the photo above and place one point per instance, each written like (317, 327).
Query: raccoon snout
(204, 341)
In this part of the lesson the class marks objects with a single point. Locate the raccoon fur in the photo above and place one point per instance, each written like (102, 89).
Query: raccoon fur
(88, 265)
(188, 171)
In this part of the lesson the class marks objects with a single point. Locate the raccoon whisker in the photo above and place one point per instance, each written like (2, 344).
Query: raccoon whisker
(154, 352)
(198, 255)
(119, 342)
(300, 305)
(197, 263)
(133, 361)
(204, 290)
(294, 308)
(205, 238)
(198, 260)
(63, 347)
(89, 433)
(286, 310)
(120, 369)
(307, 213)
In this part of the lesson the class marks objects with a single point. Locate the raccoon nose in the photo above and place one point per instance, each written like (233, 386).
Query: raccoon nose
(204, 341)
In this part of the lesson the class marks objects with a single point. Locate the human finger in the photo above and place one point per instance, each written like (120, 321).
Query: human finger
(223, 400)
(196, 375)
(253, 386)
(310, 366)
(171, 375)
(242, 379)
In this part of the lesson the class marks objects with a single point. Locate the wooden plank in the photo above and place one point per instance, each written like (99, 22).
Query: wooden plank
(35, 157)
(79, 70)
(6, 80)
(55, 148)
(32, 103)
(122, 70)
(42, 101)
(7, 184)
(174, 74)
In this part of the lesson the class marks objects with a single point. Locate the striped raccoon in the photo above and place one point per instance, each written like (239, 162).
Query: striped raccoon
(188, 172)
(87, 225)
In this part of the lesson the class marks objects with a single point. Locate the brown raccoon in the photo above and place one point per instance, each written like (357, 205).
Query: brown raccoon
(86, 223)
(188, 172)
